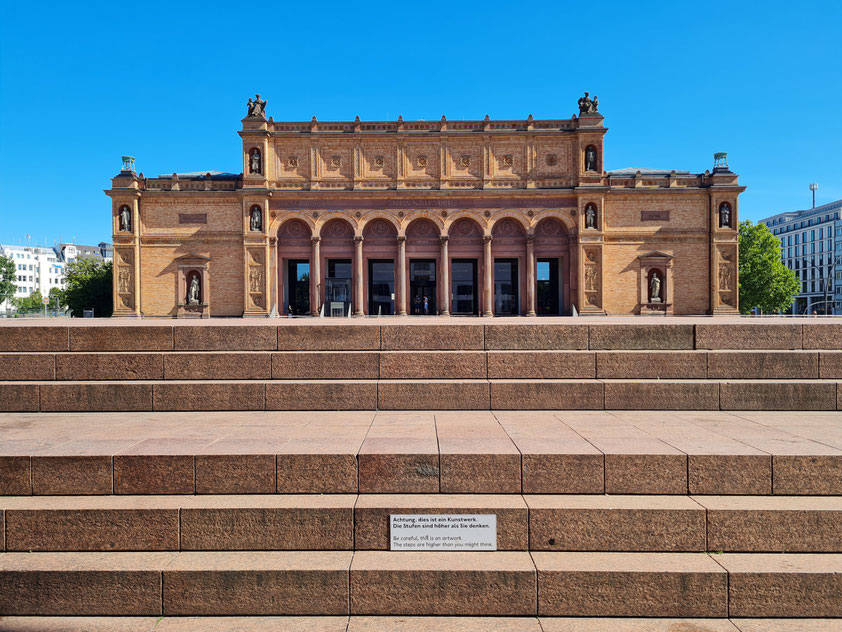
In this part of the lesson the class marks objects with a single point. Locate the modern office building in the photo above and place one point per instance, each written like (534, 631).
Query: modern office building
(483, 217)
(811, 245)
(103, 251)
(36, 269)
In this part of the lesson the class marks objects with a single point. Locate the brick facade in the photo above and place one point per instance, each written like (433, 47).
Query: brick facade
(527, 199)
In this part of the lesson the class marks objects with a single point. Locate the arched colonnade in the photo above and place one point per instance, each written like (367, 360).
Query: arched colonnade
(423, 264)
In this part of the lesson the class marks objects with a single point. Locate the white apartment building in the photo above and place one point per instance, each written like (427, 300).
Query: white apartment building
(811, 245)
(35, 269)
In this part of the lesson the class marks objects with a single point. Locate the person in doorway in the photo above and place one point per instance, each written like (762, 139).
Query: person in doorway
(426, 306)
(417, 305)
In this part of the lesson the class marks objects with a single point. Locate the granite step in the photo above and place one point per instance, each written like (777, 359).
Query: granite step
(422, 452)
(427, 394)
(350, 522)
(407, 624)
(420, 365)
(677, 585)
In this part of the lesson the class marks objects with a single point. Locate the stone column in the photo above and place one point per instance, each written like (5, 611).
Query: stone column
(315, 277)
(488, 275)
(275, 281)
(530, 275)
(358, 275)
(400, 304)
(445, 277)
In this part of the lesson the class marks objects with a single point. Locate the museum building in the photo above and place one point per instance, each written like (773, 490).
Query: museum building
(491, 218)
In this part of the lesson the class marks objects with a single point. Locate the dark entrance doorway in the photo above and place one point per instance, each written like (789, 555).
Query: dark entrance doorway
(547, 291)
(338, 287)
(381, 287)
(505, 287)
(298, 286)
(422, 287)
(464, 274)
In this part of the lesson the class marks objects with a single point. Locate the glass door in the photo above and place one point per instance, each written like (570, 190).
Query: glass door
(298, 286)
(338, 287)
(547, 294)
(464, 286)
(505, 287)
(422, 287)
(381, 287)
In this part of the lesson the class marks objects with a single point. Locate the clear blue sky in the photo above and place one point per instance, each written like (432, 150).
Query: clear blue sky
(83, 83)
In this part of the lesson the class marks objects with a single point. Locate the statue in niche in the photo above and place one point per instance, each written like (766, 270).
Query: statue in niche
(254, 161)
(590, 217)
(590, 159)
(256, 219)
(725, 215)
(194, 291)
(257, 108)
(655, 288)
(586, 106)
(125, 219)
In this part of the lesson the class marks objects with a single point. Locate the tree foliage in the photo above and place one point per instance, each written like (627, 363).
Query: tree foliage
(765, 282)
(31, 303)
(8, 277)
(89, 285)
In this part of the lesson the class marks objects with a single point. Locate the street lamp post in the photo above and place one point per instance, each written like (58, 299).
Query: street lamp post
(814, 187)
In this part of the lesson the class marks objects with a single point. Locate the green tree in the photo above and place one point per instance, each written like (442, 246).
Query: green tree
(765, 282)
(88, 287)
(56, 298)
(31, 303)
(8, 277)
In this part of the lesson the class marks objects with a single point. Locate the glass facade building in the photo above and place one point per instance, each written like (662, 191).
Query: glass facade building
(811, 245)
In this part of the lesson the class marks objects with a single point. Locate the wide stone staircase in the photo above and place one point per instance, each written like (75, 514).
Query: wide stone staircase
(209, 477)
(609, 364)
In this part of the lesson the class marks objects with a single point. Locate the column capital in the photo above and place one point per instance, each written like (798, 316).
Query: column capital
(401, 239)
(444, 239)
(272, 241)
(530, 238)
(315, 240)
(486, 239)
(358, 238)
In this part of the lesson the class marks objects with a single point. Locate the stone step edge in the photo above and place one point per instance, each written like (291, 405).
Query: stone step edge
(501, 583)
(479, 394)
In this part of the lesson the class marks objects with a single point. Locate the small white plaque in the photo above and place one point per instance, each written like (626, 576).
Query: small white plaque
(443, 532)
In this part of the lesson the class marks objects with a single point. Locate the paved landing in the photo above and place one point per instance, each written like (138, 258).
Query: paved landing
(532, 452)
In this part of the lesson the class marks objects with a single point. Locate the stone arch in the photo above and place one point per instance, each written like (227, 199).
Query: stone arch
(328, 216)
(460, 222)
(368, 218)
(275, 223)
(475, 217)
(417, 216)
(337, 227)
(563, 215)
(520, 218)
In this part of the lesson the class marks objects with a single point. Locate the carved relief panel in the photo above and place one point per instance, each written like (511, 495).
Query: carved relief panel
(726, 276)
(255, 279)
(125, 272)
(508, 160)
(337, 162)
(421, 161)
(378, 161)
(552, 159)
(466, 160)
(592, 282)
(292, 161)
